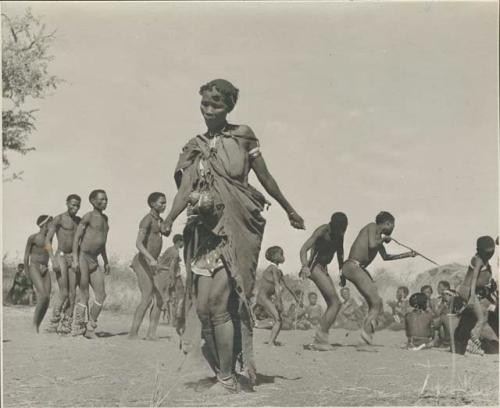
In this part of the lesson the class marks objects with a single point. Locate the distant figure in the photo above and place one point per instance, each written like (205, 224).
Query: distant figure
(64, 227)
(170, 280)
(350, 312)
(427, 291)
(36, 260)
(326, 241)
(90, 242)
(367, 245)
(419, 323)
(399, 308)
(22, 292)
(478, 292)
(145, 265)
(312, 313)
(440, 308)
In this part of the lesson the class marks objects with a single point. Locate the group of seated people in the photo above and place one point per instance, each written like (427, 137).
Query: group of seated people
(427, 320)
(430, 322)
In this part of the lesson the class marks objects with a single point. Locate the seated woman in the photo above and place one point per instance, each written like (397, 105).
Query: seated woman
(419, 323)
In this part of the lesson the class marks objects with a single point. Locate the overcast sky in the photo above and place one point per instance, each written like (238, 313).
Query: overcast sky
(359, 108)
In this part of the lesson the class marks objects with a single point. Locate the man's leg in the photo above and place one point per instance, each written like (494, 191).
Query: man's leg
(97, 283)
(369, 291)
(67, 319)
(327, 289)
(79, 325)
(43, 296)
(60, 303)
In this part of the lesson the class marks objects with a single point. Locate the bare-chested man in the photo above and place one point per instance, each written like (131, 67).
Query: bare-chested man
(64, 227)
(36, 261)
(365, 248)
(145, 265)
(327, 240)
(89, 243)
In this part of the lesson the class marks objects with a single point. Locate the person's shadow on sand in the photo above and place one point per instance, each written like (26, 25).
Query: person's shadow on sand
(105, 334)
(206, 383)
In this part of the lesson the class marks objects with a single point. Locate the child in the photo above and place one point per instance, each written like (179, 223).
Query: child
(427, 291)
(64, 227)
(145, 265)
(440, 308)
(21, 292)
(370, 242)
(313, 312)
(475, 287)
(170, 281)
(36, 260)
(324, 243)
(89, 243)
(399, 307)
(350, 311)
(269, 285)
(419, 323)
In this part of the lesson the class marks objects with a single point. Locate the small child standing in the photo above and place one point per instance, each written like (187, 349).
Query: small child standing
(270, 285)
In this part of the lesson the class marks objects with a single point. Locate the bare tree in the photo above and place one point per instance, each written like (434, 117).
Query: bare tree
(25, 62)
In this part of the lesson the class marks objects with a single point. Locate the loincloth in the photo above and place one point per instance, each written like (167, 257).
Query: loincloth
(90, 260)
(41, 268)
(67, 258)
(358, 265)
(320, 267)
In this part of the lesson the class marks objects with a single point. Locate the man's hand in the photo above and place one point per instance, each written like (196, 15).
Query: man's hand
(305, 272)
(55, 265)
(107, 269)
(75, 265)
(296, 220)
(413, 254)
(386, 238)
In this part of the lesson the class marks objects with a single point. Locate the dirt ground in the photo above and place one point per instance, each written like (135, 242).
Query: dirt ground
(51, 371)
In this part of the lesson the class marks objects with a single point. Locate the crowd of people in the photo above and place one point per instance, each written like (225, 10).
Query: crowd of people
(221, 242)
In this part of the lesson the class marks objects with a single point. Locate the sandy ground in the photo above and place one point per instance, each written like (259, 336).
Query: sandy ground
(51, 371)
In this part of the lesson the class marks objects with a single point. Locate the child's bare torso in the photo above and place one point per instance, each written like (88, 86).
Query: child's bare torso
(153, 241)
(96, 234)
(483, 278)
(360, 250)
(267, 283)
(38, 251)
(66, 229)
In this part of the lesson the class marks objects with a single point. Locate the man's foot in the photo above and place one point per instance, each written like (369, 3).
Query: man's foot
(65, 326)
(474, 347)
(90, 332)
(52, 327)
(319, 347)
(320, 337)
(151, 337)
(366, 337)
